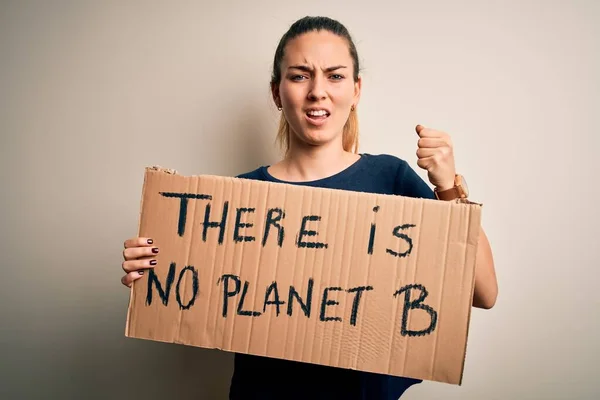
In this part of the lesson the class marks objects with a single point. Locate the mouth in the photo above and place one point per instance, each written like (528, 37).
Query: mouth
(317, 116)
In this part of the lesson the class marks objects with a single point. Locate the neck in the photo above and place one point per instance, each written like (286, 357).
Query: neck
(308, 163)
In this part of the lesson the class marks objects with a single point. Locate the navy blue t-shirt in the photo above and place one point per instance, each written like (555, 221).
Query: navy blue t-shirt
(265, 378)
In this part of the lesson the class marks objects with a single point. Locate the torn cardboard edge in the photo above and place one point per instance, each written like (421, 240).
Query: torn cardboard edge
(142, 318)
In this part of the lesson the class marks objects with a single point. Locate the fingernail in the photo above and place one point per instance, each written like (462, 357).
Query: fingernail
(152, 262)
(155, 250)
(150, 241)
(141, 272)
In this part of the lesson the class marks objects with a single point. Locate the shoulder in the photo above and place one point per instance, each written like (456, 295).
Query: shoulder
(386, 163)
(256, 174)
(406, 180)
(384, 159)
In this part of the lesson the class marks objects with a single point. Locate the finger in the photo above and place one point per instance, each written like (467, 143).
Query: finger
(429, 133)
(427, 152)
(426, 132)
(431, 142)
(131, 277)
(426, 163)
(138, 252)
(419, 128)
(138, 242)
(136, 265)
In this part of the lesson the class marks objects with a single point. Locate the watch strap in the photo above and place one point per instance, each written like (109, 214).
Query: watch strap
(448, 194)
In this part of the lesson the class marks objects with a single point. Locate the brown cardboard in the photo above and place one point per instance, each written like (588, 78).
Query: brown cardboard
(433, 249)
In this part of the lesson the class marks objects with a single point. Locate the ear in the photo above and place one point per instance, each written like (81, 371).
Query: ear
(275, 94)
(357, 90)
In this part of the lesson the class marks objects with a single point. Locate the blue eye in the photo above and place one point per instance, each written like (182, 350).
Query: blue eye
(297, 77)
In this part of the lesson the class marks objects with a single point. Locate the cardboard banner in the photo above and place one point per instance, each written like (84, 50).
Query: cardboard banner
(354, 280)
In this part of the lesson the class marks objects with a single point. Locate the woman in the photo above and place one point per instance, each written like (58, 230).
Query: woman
(316, 85)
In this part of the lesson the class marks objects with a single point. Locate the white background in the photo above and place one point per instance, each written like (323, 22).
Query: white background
(92, 92)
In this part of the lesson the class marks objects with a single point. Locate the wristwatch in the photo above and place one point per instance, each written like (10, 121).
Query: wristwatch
(459, 191)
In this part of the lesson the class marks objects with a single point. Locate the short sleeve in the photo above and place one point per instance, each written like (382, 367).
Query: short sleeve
(410, 184)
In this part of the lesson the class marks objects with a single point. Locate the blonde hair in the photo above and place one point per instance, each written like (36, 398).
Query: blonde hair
(349, 134)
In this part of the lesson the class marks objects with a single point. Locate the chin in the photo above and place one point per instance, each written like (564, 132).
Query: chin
(316, 138)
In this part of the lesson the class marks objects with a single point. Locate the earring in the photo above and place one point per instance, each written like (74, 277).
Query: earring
(352, 108)
(279, 108)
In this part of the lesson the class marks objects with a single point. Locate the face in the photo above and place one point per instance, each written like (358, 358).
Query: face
(317, 89)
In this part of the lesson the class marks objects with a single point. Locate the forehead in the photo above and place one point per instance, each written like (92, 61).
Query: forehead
(321, 48)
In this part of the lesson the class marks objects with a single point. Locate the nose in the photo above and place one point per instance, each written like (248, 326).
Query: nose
(317, 90)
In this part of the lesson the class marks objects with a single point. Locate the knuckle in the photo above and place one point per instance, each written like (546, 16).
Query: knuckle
(126, 254)
(131, 254)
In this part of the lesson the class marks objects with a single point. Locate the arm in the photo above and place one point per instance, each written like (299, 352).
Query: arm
(486, 285)
(436, 155)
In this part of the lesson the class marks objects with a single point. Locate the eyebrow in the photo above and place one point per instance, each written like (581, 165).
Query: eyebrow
(308, 69)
